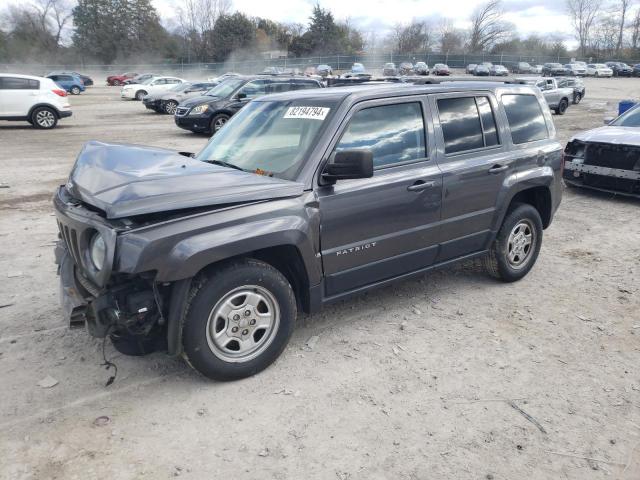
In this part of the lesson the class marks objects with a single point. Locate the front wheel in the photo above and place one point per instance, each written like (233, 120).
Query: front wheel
(577, 98)
(217, 122)
(516, 247)
(239, 320)
(116, 83)
(140, 94)
(170, 107)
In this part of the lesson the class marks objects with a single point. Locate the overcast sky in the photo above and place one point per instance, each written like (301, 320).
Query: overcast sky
(529, 16)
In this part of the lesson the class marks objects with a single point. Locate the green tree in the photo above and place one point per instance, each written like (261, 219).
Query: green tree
(232, 33)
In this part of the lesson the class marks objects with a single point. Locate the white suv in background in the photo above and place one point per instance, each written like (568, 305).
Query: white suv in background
(151, 86)
(37, 100)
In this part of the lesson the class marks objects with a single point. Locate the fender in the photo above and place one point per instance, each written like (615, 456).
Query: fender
(57, 112)
(542, 176)
(192, 254)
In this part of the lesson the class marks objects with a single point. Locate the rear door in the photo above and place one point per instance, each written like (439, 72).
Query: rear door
(17, 95)
(377, 228)
(475, 163)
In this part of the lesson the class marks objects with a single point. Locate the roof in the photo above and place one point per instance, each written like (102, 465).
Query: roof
(365, 92)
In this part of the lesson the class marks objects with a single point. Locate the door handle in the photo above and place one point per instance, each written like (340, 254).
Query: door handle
(420, 185)
(498, 168)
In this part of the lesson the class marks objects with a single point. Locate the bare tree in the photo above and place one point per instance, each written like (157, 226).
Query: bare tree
(583, 13)
(635, 31)
(197, 19)
(451, 38)
(488, 26)
(55, 16)
(623, 7)
(414, 37)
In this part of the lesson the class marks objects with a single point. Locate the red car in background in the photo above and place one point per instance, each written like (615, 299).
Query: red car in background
(117, 80)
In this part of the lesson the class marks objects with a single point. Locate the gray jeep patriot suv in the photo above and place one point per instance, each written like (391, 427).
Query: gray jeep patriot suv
(303, 198)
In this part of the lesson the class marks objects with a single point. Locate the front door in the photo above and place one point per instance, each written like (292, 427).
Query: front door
(377, 228)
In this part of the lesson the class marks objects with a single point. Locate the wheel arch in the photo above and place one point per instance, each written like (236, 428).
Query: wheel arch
(47, 105)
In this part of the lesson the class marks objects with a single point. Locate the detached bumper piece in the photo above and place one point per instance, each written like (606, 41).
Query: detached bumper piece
(604, 167)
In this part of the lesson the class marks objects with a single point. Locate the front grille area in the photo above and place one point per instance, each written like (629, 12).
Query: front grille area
(70, 237)
(181, 111)
(612, 156)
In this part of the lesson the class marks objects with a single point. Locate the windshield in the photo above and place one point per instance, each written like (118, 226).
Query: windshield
(630, 118)
(179, 87)
(269, 138)
(226, 87)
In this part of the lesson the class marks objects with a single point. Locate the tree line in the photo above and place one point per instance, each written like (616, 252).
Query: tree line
(130, 31)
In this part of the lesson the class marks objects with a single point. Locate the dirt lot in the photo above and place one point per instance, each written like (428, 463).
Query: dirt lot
(415, 381)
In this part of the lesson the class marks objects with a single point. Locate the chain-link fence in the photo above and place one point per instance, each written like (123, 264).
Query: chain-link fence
(372, 62)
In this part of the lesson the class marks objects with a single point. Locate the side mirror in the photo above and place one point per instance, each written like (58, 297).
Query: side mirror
(241, 96)
(608, 120)
(349, 164)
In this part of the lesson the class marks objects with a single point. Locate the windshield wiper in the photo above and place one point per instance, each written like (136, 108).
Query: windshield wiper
(225, 164)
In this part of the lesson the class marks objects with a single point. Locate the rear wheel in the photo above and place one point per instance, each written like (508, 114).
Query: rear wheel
(577, 97)
(517, 245)
(217, 122)
(170, 107)
(239, 320)
(44, 118)
(75, 90)
(562, 107)
(140, 94)
(116, 83)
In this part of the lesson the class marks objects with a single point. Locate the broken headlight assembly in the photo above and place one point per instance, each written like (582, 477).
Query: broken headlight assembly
(575, 151)
(97, 251)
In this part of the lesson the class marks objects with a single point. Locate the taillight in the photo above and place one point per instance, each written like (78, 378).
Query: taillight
(60, 93)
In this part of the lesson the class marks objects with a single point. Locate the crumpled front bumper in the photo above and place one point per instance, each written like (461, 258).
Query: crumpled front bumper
(73, 302)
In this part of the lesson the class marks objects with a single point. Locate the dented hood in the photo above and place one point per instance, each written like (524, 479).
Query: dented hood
(127, 180)
(611, 134)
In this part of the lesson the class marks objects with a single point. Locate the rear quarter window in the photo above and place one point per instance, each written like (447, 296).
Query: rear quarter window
(525, 118)
(15, 83)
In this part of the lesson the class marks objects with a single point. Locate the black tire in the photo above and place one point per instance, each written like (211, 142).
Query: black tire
(116, 83)
(577, 97)
(140, 94)
(562, 107)
(200, 350)
(497, 262)
(44, 118)
(75, 90)
(217, 122)
(170, 106)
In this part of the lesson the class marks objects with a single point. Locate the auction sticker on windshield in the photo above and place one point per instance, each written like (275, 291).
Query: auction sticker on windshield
(311, 113)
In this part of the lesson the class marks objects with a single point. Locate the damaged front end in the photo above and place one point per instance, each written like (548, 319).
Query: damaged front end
(127, 308)
(603, 166)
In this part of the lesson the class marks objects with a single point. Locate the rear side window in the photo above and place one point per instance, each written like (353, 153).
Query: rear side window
(525, 118)
(468, 123)
(394, 133)
(14, 83)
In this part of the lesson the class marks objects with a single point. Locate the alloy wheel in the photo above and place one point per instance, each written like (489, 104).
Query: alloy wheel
(45, 118)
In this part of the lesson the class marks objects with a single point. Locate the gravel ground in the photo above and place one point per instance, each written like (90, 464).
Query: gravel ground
(449, 376)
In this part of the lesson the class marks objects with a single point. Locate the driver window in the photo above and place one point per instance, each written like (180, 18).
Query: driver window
(254, 89)
(394, 133)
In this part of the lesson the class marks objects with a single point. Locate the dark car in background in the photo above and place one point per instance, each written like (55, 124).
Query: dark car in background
(167, 102)
(471, 68)
(71, 83)
(522, 67)
(620, 69)
(499, 71)
(579, 90)
(482, 70)
(389, 69)
(635, 70)
(86, 80)
(553, 70)
(143, 77)
(117, 80)
(406, 68)
(209, 113)
(441, 69)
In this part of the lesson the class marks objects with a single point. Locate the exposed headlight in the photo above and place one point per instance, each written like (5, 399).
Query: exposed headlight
(97, 251)
(199, 109)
